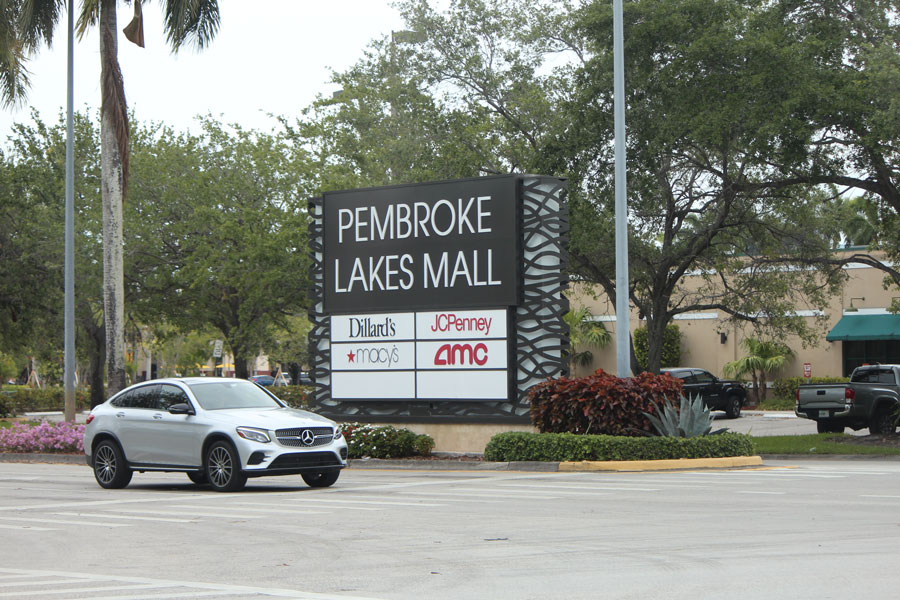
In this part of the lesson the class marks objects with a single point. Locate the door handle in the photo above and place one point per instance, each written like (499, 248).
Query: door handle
(157, 416)
(120, 415)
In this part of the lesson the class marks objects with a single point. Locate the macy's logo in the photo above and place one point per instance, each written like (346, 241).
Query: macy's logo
(461, 354)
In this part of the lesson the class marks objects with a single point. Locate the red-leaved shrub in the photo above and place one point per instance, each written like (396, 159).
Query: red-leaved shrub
(601, 403)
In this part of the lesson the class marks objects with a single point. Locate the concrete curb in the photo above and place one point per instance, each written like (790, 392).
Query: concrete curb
(531, 466)
(14, 457)
(662, 465)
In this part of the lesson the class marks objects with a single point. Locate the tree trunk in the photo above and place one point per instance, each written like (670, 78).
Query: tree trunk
(113, 175)
(241, 365)
(96, 344)
(656, 329)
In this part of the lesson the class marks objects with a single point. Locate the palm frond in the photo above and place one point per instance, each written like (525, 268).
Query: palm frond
(191, 21)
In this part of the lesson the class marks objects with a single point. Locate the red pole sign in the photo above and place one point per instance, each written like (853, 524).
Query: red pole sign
(807, 370)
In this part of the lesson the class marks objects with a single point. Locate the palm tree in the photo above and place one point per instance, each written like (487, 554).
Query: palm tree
(24, 26)
(584, 334)
(763, 357)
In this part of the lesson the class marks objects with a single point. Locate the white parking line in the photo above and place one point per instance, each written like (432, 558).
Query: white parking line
(107, 515)
(261, 510)
(172, 513)
(759, 492)
(877, 496)
(605, 488)
(311, 512)
(27, 527)
(143, 586)
(60, 522)
(161, 584)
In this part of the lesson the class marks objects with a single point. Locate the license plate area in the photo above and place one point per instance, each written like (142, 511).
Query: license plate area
(824, 414)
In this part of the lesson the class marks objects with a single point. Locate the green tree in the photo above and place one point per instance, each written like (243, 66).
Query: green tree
(670, 355)
(585, 335)
(31, 263)
(763, 358)
(25, 25)
(221, 238)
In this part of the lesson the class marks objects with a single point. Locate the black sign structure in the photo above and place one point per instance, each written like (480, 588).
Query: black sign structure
(439, 245)
(437, 302)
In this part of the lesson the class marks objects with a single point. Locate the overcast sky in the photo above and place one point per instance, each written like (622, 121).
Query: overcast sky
(270, 56)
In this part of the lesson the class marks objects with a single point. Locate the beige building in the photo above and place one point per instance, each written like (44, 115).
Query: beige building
(859, 330)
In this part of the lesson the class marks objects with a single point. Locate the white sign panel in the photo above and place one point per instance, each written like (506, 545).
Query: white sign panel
(371, 356)
(401, 385)
(489, 385)
(375, 327)
(456, 354)
(429, 355)
(461, 324)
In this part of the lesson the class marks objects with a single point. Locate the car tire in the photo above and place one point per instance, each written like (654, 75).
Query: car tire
(198, 477)
(320, 479)
(110, 469)
(223, 468)
(733, 407)
(823, 427)
(882, 423)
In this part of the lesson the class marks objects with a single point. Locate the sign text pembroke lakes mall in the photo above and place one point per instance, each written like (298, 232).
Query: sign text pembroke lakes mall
(451, 244)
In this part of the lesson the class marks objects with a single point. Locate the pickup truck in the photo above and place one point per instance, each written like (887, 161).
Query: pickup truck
(871, 399)
(717, 394)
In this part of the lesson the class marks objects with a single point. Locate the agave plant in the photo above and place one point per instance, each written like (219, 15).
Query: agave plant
(692, 420)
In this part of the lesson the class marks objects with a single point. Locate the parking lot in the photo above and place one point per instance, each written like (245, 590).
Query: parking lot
(808, 529)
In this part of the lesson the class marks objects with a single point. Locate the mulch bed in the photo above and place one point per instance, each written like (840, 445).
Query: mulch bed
(891, 440)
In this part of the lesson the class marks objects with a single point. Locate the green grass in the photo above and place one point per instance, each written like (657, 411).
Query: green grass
(820, 443)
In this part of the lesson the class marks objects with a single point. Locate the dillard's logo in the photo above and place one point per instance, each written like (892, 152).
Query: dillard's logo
(367, 328)
(461, 354)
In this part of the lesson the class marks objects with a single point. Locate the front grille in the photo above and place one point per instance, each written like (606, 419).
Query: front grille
(305, 460)
(294, 437)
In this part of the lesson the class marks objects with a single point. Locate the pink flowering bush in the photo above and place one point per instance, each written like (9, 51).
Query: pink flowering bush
(44, 437)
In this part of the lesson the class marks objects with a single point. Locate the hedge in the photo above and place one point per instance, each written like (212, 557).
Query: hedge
(40, 400)
(384, 441)
(523, 446)
(783, 389)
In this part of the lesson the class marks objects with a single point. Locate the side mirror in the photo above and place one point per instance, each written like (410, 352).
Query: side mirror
(182, 408)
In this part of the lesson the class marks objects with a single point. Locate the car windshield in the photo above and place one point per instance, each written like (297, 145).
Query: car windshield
(221, 395)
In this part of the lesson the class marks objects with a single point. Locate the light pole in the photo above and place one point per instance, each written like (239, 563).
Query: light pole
(69, 303)
(623, 326)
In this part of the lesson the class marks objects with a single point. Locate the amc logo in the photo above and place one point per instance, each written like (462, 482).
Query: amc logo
(461, 354)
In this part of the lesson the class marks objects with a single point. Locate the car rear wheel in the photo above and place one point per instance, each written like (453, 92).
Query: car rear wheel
(110, 469)
(320, 479)
(822, 427)
(198, 477)
(733, 407)
(223, 468)
(882, 423)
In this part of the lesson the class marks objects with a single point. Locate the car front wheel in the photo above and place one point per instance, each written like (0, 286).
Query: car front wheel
(320, 479)
(223, 468)
(733, 408)
(110, 469)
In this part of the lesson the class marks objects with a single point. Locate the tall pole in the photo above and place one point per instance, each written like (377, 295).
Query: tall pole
(69, 308)
(623, 327)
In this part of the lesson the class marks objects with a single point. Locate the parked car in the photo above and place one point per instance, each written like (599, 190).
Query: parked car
(717, 394)
(219, 431)
(871, 400)
(264, 380)
(304, 379)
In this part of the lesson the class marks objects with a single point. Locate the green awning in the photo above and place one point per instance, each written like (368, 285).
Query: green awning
(866, 327)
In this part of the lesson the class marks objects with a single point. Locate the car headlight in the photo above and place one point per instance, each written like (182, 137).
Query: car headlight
(337, 432)
(253, 434)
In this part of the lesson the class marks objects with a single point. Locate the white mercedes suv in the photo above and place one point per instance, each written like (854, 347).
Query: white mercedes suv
(219, 431)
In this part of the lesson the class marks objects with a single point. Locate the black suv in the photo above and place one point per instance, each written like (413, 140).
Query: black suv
(717, 394)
